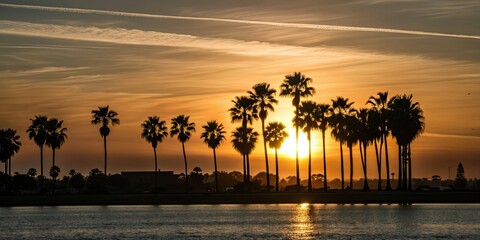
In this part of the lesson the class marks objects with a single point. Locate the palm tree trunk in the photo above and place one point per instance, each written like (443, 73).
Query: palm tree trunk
(276, 171)
(41, 168)
(7, 177)
(309, 162)
(399, 178)
(365, 180)
(379, 166)
(351, 166)
(156, 168)
(404, 177)
(387, 164)
(105, 153)
(53, 162)
(248, 167)
(341, 165)
(186, 169)
(10, 166)
(409, 157)
(296, 151)
(216, 173)
(325, 186)
(244, 168)
(266, 155)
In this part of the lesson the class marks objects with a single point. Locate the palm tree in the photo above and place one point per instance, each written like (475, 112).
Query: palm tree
(243, 140)
(364, 137)
(341, 108)
(264, 96)
(9, 145)
(37, 131)
(154, 131)
(296, 86)
(322, 117)
(54, 172)
(244, 110)
(406, 122)
(381, 104)
(351, 138)
(275, 136)
(307, 121)
(56, 137)
(183, 130)
(213, 136)
(105, 116)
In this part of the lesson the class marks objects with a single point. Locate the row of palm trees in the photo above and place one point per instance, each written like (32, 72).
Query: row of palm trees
(398, 116)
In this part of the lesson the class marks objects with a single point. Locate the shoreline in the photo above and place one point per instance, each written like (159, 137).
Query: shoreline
(334, 197)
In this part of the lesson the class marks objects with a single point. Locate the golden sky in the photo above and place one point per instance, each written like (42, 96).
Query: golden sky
(63, 59)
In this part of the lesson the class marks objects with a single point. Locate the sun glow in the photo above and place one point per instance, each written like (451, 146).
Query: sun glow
(288, 146)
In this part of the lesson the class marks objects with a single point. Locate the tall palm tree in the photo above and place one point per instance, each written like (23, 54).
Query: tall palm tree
(351, 138)
(37, 131)
(341, 108)
(275, 136)
(375, 131)
(213, 136)
(154, 131)
(244, 140)
(183, 129)
(244, 111)
(406, 123)
(381, 104)
(104, 116)
(9, 145)
(322, 117)
(56, 137)
(297, 87)
(364, 137)
(264, 96)
(307, 121)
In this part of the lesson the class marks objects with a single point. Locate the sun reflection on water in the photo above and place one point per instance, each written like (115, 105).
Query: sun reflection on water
(302, 222)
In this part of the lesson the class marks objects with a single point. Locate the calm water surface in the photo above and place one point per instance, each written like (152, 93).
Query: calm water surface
(284, 221)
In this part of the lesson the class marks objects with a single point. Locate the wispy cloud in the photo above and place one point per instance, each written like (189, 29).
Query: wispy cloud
(38, 71)
(277, 24)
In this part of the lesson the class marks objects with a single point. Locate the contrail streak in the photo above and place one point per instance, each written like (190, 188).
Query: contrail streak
(277, 24)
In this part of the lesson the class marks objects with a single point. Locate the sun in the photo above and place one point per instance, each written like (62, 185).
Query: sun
(288, 146)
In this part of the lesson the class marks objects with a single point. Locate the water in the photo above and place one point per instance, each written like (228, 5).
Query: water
(284, 221)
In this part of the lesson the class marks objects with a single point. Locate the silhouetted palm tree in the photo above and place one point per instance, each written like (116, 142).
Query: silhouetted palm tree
(364, 137)
(183, 129)
(9, 145)
(296, 86)
(104, 116)
(406, 122)
(351, 138)
(381, 104)
(264, 97)
(37, 131)
(154, 131)
(307, 121)
(56, 137)
(341, 108)
(244, 110)
(243, 140)
(213, 136)
(322, 117)
(54, 172)
(275, 136)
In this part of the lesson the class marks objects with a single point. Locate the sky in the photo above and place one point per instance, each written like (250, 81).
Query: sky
(143, 58)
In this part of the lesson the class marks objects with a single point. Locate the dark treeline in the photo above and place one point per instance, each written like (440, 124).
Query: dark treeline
(381, 118)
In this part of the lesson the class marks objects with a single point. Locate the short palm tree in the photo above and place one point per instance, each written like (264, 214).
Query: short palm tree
(37, 131)
(104, 116)
(297, 87)
(375, 131)
(243, 140)
(264, 97)
(9, 145)
(341, 108)
(307, 121)
(56, 137)
(322, 117)
(213, 136)
(183, 129)
(275, 136)
(54, 172)
(406, 123)
(364, 138)
(381, 104)
(244, 111)
(154, 131)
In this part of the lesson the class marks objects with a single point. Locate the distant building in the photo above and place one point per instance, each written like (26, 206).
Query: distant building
(141, 181)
